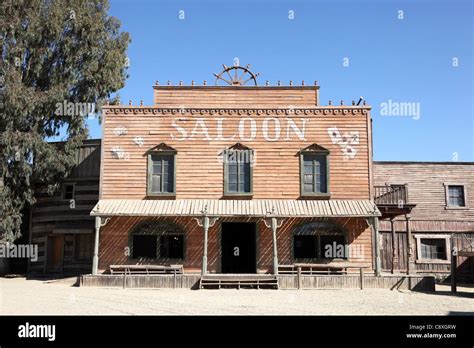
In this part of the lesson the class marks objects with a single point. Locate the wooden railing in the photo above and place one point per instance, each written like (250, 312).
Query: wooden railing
(391, 194)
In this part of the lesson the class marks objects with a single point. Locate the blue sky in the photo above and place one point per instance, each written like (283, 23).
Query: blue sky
(410, 60)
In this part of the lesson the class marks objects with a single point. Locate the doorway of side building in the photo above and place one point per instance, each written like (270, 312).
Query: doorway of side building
(54, 253)
(239, 247)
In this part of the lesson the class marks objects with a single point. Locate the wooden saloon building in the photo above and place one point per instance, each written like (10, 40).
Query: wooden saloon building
(236, 179)
(238, 184)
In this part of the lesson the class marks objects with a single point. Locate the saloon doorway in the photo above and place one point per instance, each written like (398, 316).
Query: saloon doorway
(238, 247)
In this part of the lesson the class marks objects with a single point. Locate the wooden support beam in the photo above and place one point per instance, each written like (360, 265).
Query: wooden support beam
(361, 278)
(394, 249)
(95, 257)
(300, 285)
(205, 226)
(275, 252)
(410, 260)
(454, 265)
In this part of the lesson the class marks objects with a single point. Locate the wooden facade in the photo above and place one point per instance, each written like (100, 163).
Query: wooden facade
(198, 124)
(432, 217)
(61, 224)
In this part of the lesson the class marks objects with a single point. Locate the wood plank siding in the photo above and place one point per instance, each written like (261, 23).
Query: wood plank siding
(199, 166)
(229, 97)
(65, 224)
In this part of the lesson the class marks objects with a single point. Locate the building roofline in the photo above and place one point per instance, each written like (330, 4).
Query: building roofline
(423, 162)
(309, 87)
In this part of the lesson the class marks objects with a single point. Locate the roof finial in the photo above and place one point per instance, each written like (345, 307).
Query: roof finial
(291, 82)
(330, 103)
(204, 83)
(141, 102)
(181, 83)
(267, 83)
(130, 102)
(279, 83)
(192, 83)
(169, 83)
(157, 83)
(302, 83)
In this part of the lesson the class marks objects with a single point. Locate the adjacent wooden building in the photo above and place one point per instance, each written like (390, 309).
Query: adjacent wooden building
(434, 213)
(61, 224)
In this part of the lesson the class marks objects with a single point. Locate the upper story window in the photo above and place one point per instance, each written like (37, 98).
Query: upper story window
(238, 161)
(68, 191)
(455, 195)
(161, 171)
(314, 163)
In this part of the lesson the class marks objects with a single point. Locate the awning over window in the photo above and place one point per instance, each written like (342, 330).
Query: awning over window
(248, 208)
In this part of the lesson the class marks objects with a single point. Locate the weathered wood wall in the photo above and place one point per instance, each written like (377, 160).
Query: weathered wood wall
(465, 268)
(55, 216)
(211, 96)
(426, 189)
(114, 242)
(199, 166)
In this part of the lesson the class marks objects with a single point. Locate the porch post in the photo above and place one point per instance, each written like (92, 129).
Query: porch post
(394, 249)
(205, 225)
(271, 221)
(274, 225)
(374, 222)
(205, 222)
(95, 257)
(410, 264)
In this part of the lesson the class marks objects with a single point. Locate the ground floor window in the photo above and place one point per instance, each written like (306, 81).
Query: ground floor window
(432, 248)
(158, 241)
(171, 246)
(144, 246)
(319, 241)
(84, 246)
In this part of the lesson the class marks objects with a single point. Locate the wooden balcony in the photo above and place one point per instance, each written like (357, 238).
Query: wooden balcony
(392, 200)
(391, 194)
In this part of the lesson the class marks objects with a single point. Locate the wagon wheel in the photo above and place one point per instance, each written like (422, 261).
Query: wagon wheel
(236, 76)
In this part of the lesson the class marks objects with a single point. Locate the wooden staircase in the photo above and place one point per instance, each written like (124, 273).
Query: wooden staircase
(238, 281)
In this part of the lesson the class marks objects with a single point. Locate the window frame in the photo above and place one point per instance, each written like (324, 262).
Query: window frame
(446, 194)
(150, 173)
(314, 152)
(226, 174)
(447, 239)
(338, 231)
(158, 229)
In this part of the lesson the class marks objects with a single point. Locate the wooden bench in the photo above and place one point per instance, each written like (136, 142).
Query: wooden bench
(145, 269)
(337, 267)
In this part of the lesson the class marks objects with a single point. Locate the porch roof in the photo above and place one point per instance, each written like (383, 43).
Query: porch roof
(248, 208)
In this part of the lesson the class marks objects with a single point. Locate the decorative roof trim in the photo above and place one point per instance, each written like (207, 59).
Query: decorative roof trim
(315, 148)
(162, 147)
(318, 111)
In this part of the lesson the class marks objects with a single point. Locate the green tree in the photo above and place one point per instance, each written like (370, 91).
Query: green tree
(54, 53)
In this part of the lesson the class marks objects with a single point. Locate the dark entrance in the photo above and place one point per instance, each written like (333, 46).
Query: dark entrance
(238, 247)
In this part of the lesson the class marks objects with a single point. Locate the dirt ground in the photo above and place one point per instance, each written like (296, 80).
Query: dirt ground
(21, 296)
